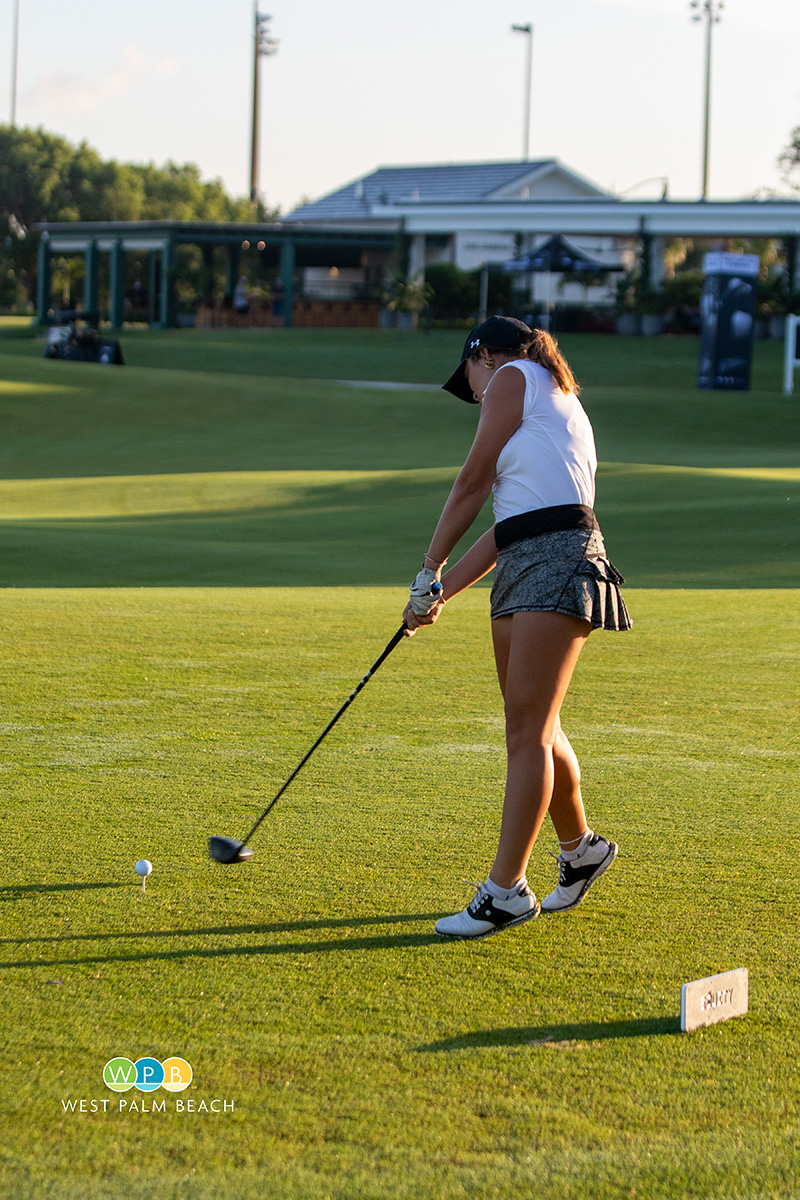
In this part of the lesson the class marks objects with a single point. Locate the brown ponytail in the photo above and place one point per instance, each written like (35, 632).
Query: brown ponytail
(543, 349)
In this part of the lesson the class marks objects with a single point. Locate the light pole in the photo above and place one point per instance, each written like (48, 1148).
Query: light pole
(263, 45)
(528, 29)
(710, 12)
(14, 56)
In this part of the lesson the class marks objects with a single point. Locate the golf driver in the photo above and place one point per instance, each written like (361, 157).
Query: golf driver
(228, 850)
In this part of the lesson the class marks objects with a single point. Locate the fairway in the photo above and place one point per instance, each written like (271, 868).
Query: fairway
(202, 554)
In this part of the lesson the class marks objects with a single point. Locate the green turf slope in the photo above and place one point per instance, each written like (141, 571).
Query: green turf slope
(148, 475)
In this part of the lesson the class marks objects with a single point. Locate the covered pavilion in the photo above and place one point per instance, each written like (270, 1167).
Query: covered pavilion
(285, 247)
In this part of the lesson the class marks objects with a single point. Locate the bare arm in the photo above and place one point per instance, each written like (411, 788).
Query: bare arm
(477, 562)
(501, 415)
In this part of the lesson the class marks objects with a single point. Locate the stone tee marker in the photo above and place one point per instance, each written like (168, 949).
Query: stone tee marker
(713, 999)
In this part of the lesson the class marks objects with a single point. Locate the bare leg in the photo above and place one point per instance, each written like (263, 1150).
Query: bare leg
(566, 805)
(536, 655)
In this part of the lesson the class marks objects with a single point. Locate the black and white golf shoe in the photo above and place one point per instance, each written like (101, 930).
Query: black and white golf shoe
(576, 877)
(485, 914)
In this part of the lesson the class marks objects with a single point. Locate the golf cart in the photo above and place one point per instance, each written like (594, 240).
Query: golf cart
(66, 338)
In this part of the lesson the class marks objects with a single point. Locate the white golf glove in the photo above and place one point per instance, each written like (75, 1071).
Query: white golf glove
(426, 592)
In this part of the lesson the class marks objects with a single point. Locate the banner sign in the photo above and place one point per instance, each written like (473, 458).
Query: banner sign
(728, 312)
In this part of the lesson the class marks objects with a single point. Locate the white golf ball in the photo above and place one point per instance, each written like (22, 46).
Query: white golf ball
(143, 867)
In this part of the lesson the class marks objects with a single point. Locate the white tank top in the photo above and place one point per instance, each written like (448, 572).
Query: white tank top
(551, 458)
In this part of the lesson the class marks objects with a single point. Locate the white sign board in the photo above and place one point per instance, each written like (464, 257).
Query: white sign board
(472, 250)
(715, 998)
(723, 263)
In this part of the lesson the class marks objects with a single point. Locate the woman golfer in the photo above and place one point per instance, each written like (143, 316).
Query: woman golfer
(534, 449)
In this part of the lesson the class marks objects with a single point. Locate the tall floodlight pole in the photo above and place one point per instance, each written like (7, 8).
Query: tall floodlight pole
(263, 45)
(14, 56)
(709, 11)
(526, 136)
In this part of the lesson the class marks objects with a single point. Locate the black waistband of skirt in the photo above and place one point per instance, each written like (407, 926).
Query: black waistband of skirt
(544, 520)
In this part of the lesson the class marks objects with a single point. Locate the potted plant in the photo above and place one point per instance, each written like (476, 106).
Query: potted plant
(682, 301)
(406, 298)
(653, 307)
(628, 319)
(772, 304)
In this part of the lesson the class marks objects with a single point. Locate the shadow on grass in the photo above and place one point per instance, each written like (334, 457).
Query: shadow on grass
(558, 1037)
(377, 942)
(346, 923)
(16, 891)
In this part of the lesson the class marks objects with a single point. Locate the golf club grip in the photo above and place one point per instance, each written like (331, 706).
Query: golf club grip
(398, 637)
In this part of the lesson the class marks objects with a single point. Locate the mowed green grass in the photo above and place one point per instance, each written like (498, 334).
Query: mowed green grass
(364, 1056)
(283, 475)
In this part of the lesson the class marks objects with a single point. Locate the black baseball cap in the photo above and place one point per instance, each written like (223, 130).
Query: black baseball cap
(497, 332)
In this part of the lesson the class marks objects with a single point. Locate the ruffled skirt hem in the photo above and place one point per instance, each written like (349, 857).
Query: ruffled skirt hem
(565, 572)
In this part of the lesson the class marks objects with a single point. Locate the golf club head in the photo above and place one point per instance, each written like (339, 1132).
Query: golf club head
(228, 850)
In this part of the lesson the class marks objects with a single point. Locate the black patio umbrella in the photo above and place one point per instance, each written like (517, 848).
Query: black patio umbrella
(558, 257)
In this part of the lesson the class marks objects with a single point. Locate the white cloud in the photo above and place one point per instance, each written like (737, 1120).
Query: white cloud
(66, 95)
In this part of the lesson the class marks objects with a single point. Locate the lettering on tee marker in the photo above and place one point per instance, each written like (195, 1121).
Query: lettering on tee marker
(713, 999)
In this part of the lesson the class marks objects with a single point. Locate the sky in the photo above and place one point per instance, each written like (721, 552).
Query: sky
(617, 89)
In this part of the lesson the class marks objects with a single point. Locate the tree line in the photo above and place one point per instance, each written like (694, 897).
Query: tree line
(44, 177)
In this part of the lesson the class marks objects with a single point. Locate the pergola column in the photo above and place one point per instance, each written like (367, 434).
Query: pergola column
(657, 268)
(43, 276)
(416, 257)
(652, 262)
(167, 298)
(117, 284)
(287, 275)
(232, 271)
(153, 287)
(207, 289)
(91, 288)
(792, 246)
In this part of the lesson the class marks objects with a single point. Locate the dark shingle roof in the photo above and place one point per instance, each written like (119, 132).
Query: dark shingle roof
(458, 182)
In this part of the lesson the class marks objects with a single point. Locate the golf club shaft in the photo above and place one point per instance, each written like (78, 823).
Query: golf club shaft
(398, 637)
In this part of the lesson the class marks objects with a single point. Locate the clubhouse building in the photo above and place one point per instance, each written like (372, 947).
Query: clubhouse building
(331, 255)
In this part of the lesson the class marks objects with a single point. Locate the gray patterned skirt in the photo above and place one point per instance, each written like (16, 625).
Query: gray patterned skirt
(565, 572)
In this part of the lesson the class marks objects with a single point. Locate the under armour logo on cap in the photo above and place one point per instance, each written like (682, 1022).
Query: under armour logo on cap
(495, 333)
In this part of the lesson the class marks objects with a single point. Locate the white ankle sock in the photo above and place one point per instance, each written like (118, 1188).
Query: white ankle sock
(503, 893)
(571, 855)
